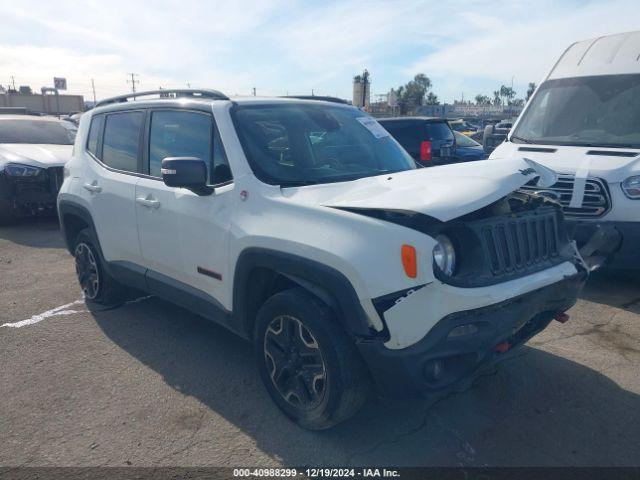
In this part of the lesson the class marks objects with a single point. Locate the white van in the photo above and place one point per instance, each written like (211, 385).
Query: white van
(583, 121)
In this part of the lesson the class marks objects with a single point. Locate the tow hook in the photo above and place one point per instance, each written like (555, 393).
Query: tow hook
(562, 317)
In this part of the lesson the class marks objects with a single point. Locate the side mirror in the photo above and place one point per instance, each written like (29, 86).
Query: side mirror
(186, 172)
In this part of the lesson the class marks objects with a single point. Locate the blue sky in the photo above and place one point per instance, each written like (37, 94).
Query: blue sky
(294, 46)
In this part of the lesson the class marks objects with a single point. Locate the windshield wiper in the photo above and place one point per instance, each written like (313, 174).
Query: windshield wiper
(523, 140)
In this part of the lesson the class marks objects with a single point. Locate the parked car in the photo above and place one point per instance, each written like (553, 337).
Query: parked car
(33, 151)
(302, 226)
(583, 122)
(463, 127)
(467, 149)
(428, 140)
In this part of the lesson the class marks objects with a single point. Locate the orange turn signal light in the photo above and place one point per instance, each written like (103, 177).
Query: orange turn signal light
(409, 261)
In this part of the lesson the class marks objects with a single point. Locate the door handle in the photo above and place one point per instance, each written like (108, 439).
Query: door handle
(93, 187)
(148, 202)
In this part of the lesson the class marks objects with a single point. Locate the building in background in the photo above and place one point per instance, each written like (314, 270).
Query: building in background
(362, 90)
(462, 109)
(49, 101)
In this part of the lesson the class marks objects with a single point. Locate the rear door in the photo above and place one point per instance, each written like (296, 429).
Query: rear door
(110, 179)
(184, 236)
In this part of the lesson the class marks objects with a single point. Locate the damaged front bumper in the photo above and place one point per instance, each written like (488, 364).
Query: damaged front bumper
(609, 244)
(30, 196)
(460, 343)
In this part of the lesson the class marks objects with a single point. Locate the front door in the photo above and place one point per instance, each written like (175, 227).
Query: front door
(184, 236)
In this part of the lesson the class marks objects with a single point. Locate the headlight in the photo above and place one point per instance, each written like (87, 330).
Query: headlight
(18, 170)
(444, 255)
(631, 187)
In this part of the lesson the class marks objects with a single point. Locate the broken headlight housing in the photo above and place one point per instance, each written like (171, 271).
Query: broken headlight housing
(19, 170)
(444, 255)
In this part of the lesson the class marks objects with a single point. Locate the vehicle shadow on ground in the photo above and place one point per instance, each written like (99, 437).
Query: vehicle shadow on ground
(533, 409)
(35, 233)
(616, 288)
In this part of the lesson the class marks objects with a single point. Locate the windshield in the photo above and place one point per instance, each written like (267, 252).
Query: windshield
(602, 111)
(301, 144)
(36, 131)
(464, 141)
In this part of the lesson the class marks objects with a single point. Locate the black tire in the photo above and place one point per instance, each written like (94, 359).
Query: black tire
(6, 217)
(97, 285)
(314, 373)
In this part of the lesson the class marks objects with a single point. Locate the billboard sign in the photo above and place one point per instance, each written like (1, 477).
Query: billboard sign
(60, 83)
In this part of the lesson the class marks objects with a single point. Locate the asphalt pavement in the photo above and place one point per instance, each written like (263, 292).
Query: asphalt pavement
(147, 383)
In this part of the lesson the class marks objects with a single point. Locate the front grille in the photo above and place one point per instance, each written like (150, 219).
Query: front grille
(596, 200)
(520, 244)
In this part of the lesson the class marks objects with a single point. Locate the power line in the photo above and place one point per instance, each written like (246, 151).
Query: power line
(133, 81)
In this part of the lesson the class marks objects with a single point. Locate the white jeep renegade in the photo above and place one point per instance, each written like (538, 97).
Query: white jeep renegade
(304, 227)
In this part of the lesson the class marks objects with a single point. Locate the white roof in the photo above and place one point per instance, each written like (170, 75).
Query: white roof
(610, 55)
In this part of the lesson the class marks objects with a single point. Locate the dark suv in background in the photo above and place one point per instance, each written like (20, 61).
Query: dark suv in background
(430, 141)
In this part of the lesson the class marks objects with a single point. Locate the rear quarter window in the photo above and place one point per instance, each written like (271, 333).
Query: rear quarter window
(95, 132)
(121, 144)
(408, 134)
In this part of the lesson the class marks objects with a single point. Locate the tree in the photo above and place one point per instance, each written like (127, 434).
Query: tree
(530, 90)
(432, 99)
(507, 93)
(496, 98)
(416, 93)
(482, 100)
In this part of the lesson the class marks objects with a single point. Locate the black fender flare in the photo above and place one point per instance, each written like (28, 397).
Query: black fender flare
(69, 208)
(325, 282)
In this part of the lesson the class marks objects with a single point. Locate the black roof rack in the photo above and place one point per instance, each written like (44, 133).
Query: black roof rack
(179, 92)
(321, 98)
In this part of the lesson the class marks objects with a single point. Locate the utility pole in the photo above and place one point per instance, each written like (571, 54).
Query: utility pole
(254, 91)
(133, 81)
(93, 87)
(13, 82)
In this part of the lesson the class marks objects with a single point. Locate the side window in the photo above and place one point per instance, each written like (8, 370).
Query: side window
(95, 130)
(121, 140)
(179, 134)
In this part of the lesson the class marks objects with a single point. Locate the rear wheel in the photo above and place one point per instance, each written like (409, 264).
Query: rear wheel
(309, 365)
(97, 285)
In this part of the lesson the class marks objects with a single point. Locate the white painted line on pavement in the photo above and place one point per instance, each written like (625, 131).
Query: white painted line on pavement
(61, 310)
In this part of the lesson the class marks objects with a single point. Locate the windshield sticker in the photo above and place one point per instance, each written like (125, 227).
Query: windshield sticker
(374, 127)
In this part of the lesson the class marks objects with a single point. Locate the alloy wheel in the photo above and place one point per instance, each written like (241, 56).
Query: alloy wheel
(294, 362)
(87, 270)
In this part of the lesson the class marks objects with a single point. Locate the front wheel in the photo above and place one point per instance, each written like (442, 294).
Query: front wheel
(6, 216)
(307, 362)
